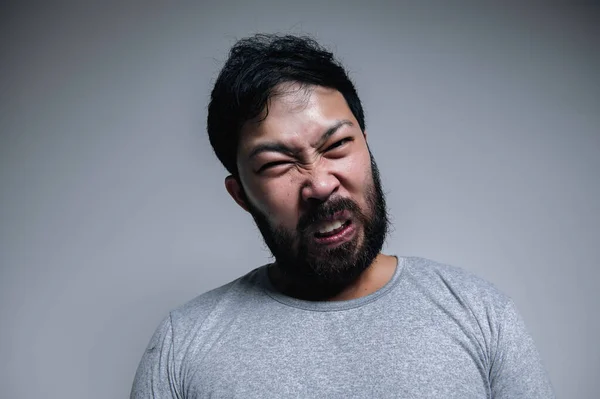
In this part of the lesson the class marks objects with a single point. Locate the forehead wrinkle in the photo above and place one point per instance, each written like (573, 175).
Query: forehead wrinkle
(295, 119)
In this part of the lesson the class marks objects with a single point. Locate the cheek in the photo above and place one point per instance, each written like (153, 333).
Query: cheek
(276, 199)
(358, 175)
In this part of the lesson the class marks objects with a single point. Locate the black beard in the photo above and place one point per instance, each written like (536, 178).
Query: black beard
(318, 274)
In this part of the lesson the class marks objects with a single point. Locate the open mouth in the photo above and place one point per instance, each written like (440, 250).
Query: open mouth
(334, 232)
(332, 228)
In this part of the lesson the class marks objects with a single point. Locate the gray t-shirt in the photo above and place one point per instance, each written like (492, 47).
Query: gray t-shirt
(433, 331)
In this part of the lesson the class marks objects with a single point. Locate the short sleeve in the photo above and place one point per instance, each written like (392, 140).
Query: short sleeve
(155, 377)
(516, 370)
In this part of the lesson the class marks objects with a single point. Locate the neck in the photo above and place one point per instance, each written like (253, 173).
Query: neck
(379, 273)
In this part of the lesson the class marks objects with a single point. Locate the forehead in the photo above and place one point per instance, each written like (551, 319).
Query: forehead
(297, 115)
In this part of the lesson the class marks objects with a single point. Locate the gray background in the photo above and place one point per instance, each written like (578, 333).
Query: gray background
(484, 120)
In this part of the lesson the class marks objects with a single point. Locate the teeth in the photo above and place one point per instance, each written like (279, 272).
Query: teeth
(327, 227)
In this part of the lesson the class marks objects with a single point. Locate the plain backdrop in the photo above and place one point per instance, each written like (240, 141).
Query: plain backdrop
(485, 122)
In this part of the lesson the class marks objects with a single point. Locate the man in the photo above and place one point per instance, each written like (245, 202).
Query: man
(331, 317)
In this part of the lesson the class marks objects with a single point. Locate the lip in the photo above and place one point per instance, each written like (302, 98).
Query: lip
(342, 236)
(341, 215)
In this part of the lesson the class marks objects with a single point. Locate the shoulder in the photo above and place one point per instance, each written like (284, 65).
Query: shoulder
(226, 299)
(454, 285)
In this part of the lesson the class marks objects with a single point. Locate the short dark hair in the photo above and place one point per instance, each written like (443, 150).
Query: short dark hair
(255, 66)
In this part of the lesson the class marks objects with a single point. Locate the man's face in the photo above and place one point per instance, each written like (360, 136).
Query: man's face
(310, 183)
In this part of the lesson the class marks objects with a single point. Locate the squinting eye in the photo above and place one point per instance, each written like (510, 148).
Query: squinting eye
(272, 165)
(338, 144)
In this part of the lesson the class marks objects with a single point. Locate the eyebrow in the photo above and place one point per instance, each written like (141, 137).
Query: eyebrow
(278, 147)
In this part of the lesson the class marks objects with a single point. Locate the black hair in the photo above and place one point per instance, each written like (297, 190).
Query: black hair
(255, 66)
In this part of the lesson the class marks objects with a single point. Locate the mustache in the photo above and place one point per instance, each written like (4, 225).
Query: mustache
(327, 210)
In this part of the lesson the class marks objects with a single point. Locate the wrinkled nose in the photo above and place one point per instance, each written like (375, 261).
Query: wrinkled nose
(320, 185)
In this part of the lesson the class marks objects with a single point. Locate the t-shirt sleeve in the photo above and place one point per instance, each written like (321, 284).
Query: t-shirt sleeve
(516, 370)
(155, 376)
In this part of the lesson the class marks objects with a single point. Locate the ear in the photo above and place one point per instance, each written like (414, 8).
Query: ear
(235, 189)
(365, 135)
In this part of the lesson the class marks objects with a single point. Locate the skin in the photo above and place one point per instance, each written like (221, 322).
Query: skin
(308, 149)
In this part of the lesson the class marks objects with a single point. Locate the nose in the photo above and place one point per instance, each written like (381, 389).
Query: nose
(320, 185)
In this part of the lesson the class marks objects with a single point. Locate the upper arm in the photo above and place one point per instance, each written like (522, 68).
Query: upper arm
(516, 369)
(155, 376)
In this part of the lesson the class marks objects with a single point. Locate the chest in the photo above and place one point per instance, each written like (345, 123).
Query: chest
(341, 355)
